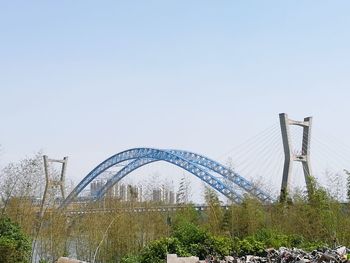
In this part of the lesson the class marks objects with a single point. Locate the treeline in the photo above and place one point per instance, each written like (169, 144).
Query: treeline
(122, 235)
(304, 222)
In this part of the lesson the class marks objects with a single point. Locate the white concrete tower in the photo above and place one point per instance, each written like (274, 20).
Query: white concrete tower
(304, 157)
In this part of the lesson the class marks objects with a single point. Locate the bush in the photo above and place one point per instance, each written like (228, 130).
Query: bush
(188, 233)
(265, 238)
(219, 246)
(156, 251)
(251, 246)
(15, 247)
(187, 240)
(191, 240)
(198, 242)
(272, 238)
(131, 259)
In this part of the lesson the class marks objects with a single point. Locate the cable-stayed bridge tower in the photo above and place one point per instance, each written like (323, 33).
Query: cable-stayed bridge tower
(52, 182)
(290, 157)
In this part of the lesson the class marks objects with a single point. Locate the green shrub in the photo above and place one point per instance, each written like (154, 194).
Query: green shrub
(157, 250)
(251, 246)
(272, 238)
(131, 259)
(198, 242)
(15, 247)
(219, 246)
(188, 233)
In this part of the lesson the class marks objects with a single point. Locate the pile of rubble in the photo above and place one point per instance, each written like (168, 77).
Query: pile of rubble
(282, 255)
(326, 255)
(285, 255)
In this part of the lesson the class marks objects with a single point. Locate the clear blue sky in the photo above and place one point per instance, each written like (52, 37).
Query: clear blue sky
(91, 78)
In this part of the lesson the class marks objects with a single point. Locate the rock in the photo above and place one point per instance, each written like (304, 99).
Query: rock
(173, 258)
(230, 259)
(69, 260)
(341, 251)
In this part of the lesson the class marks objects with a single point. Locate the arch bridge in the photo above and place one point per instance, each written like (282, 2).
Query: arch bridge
(216, 175)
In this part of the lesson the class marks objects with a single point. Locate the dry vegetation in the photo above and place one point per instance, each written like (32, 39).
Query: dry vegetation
(109, 236)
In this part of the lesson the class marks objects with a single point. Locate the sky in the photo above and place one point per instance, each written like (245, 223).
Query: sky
(88, 79)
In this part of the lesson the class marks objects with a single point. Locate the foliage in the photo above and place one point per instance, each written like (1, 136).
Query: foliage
(157, 250)
(219, 246)
(23, 178)
(131, 259)
(187, 214)
(15, 247)
(188, 233)
(188, 239)
(214, 213)
(306, 222)
(265, 238)
(273, 238)
(348, 185)
(250, 246)
(199, 242)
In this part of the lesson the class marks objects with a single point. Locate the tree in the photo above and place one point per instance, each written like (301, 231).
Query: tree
(214, 211)
(335, 185)
(251, 216)
(15, 246)
(23, 179)
(347, 185)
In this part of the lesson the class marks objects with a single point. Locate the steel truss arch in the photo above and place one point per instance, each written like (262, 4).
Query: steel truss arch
(166, 156)
(198, 159)
(225, 172)
(194, 163)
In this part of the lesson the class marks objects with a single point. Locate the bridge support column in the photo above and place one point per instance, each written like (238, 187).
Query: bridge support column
(290, 157)
(52, 183)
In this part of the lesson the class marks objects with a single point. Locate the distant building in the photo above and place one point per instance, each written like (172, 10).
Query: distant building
(171, 197)
(122, 194)
(157, 195)
(163, 195)
(113, 191)
(121, 191)
(95, 187)
(134, 193)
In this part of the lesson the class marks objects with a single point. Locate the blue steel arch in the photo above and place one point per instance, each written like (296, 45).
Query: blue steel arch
(192, 162)
(205, 163)
(227, 173)
(201, 173)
